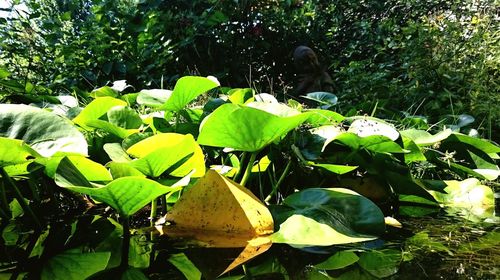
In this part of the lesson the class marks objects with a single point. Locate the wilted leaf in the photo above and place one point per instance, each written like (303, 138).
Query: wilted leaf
(217, 212)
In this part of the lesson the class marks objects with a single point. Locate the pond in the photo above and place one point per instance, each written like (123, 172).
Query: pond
(440, 246)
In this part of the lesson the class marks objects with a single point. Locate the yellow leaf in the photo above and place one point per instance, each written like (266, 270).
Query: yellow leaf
(163, 140)
(217, 212)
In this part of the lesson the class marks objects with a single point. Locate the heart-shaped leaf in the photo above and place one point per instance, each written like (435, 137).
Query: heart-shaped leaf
(186, 90)
(245, 128)
(323, 217)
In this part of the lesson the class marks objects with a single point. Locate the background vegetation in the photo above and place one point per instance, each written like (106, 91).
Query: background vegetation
(434, 57)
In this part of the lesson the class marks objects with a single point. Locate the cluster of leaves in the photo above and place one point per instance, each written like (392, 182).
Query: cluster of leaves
(433, 57)
(146, 149)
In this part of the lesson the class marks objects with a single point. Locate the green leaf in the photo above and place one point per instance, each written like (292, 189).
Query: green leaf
(120, 169)
(124, 117)
(91, 170)
(96, 109)
(334, 168)
(241, 96)
(424, 138)
(338, 260)
(68, 175)
(4, 73)
(166, 150)
(154, 98)
(126, 195)
(324, 217)
(300, 231)
(244, 128)
(25, 123)
(357, 212)
(415, 153)
(374, 143)
(186, 90)
(184, 265)
(320, 117)
(74, 265)
(111, 128)
(133, 274)
(103, 92)
(116, 152)
(325, 99)
(481, 144)
(469, 193)
(13, 151)
(383, 263)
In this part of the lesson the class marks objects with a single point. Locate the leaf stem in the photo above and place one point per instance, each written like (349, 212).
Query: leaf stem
(4, 204)
(280, 180)
(248, 169)
(19, 196)
(125, 242)
(240, 169)
(152, 215)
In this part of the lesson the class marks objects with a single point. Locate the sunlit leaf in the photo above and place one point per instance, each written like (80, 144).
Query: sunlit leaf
(244, 128)
(241, 96)
(324, 99)
(186, 90)
(124, 117)
(323, 217)
(300, 231)
(371, 126)
(217, 212)
(320, 117)
(92, 170)
(116, 152)
(468, 194)
(96, 109)
(25, 123)
(104, 91)
(424, 138)
(13, 151)
(162, 151)
(335, 168)
(127, 194)
(154, 98)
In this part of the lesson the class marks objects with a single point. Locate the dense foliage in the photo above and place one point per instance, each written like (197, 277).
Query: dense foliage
(106, 173)
(437, 58)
